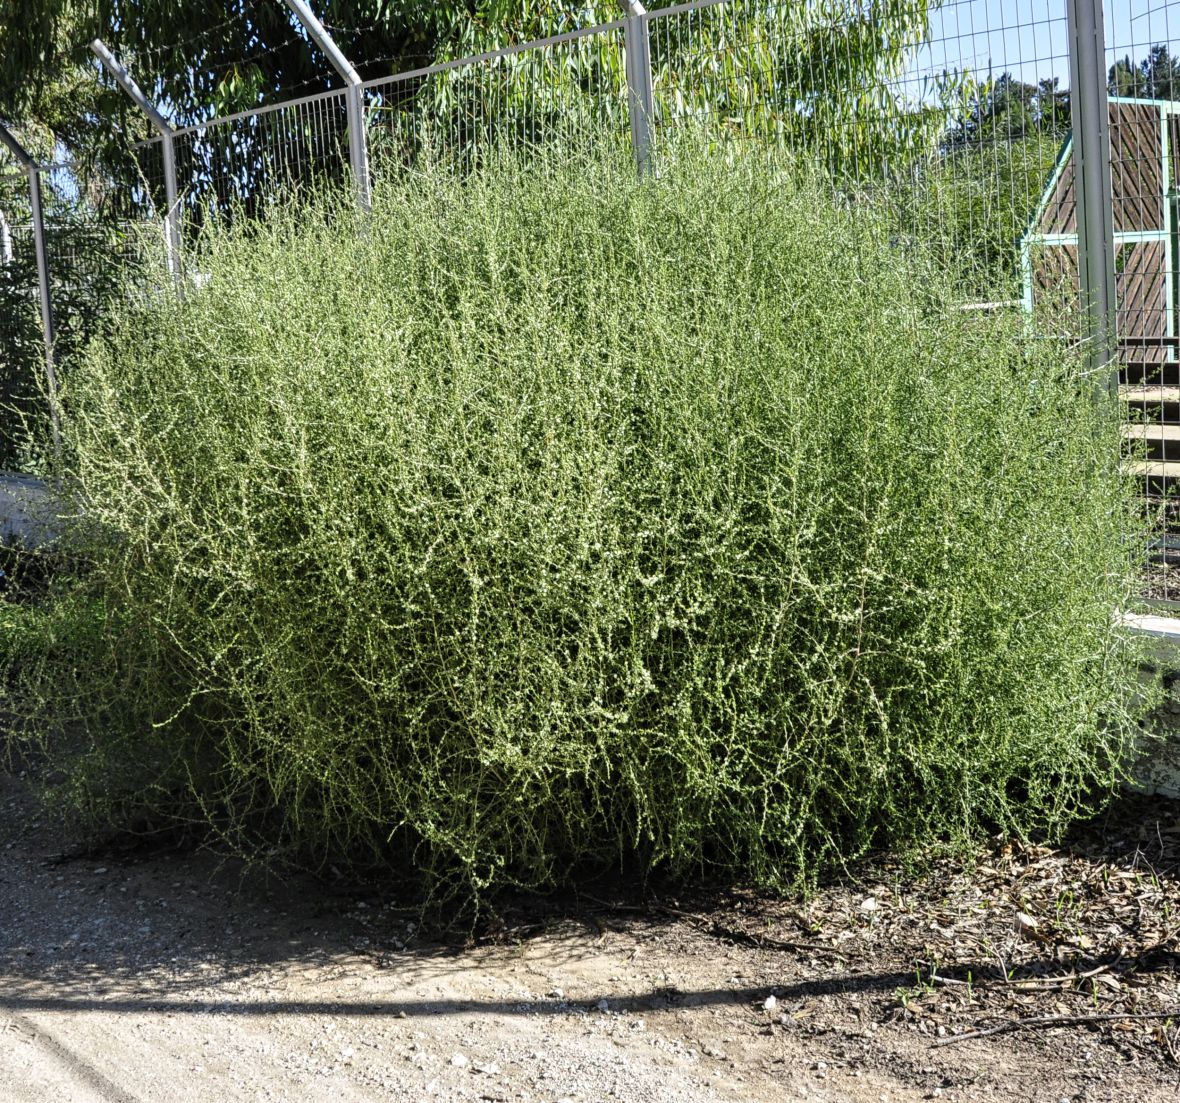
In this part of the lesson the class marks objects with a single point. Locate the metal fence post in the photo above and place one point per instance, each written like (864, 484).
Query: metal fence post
(164, 128)
(637, 46)
(172, 218)
(37, 216)
(1091, 144)
(358, 140)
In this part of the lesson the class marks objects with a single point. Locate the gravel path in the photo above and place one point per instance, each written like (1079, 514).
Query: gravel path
(137, 975)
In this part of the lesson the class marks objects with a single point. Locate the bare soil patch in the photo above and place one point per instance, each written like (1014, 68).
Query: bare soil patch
(153, 974)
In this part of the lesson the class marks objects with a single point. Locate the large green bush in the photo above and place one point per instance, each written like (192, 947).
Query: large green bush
(560, 521)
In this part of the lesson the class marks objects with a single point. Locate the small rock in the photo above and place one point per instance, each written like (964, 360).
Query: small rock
(602, 1005)
(557, 993)
(869, 904)
(459, 1061)
(769, 1004)
(101, 869)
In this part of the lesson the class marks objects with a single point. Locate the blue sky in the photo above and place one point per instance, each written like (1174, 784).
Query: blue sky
(1028, 37)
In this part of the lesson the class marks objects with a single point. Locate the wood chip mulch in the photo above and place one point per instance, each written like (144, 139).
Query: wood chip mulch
(1085, 935)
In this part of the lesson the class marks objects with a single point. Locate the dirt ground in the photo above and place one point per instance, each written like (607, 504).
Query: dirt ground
(153, 974)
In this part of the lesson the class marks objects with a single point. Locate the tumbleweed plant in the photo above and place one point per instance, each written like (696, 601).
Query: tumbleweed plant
(554, 521)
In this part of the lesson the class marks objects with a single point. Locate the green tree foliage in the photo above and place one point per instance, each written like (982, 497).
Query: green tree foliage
(88, 252)
(815, 77)
(21, 349)
(811, 71)
(1005, 109)
(974, 198)
(197, 58)
(977, 196)
(1155, 77)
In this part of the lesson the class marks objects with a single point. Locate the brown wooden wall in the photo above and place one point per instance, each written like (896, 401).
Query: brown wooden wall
(1138, 193)
(1136, 167)
(1140, 293)
(1136, 171)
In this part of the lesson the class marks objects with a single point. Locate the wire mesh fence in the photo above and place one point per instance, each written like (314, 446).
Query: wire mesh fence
(237, 164)
(567, 88)
(91, 242)
(1144, 79)
(21, 346)
(815, 78)
(959, 116)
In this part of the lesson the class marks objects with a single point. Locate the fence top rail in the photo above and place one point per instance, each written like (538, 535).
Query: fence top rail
(253, 112)
(440, 67)
(50, 166)
(506, 51)
(680, 9)
(701, 5)
(395, 78)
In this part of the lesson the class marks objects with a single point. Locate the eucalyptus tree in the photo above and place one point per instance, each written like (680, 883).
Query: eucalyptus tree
(820, 74)
(826, 77)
